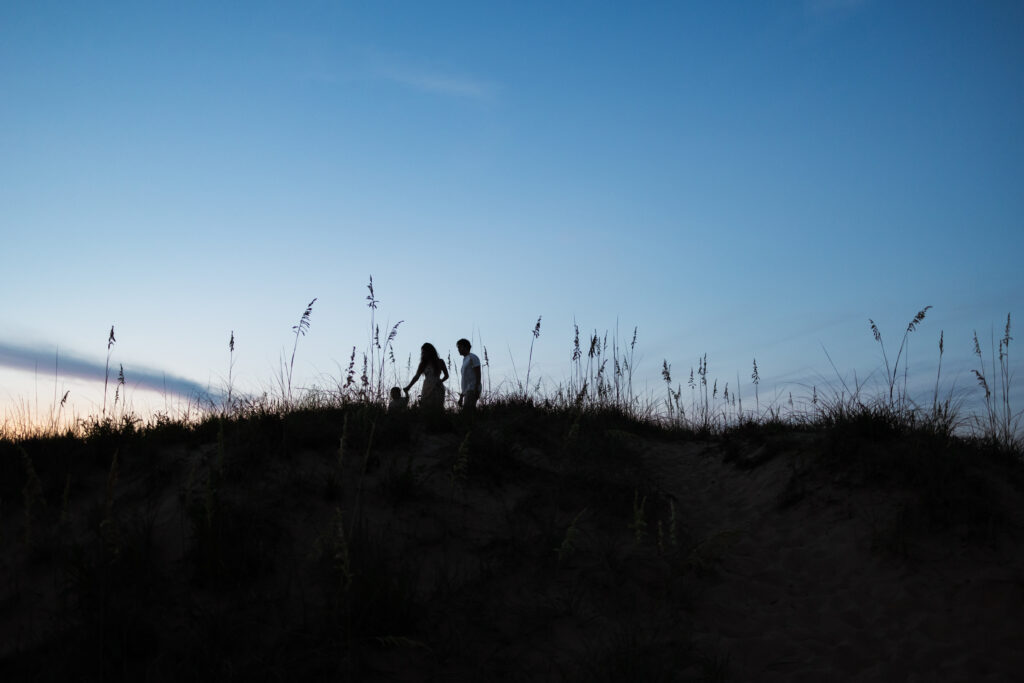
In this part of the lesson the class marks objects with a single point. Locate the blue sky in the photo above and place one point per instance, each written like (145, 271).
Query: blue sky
(738, 179)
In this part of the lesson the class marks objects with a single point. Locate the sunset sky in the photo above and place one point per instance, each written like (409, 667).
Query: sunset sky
(738, 179)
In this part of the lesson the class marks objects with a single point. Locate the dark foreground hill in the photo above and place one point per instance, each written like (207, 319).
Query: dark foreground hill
(528, 544)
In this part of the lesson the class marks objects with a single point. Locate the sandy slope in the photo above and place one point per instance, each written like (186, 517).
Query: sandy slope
(782, 569)
(810, 593)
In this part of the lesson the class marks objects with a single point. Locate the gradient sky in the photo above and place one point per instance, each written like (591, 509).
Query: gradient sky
(733, 178)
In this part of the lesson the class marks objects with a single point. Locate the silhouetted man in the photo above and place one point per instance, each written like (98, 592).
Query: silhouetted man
(471, 381)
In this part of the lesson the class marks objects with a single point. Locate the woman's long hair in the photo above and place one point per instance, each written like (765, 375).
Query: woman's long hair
(428, 356)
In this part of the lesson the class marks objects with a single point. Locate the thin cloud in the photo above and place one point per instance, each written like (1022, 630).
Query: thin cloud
(28, 358)
(820, 7)
(438, 83)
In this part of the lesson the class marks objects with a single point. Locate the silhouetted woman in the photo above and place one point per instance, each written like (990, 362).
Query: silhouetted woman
(435, 373)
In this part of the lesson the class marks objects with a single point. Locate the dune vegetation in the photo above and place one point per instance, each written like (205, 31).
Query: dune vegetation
(581, 533)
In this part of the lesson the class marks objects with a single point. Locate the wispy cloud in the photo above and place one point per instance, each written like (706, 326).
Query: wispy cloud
(437, 82)
(820, 7)
(21, 357)
(413, 72)
(442, 84)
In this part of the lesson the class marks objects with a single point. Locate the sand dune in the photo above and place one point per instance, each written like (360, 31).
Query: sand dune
(524, 551)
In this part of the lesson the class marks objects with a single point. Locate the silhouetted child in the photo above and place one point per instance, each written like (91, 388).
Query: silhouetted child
(398, 402)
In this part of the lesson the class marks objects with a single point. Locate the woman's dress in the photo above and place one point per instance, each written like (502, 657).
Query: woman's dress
(432, 395)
